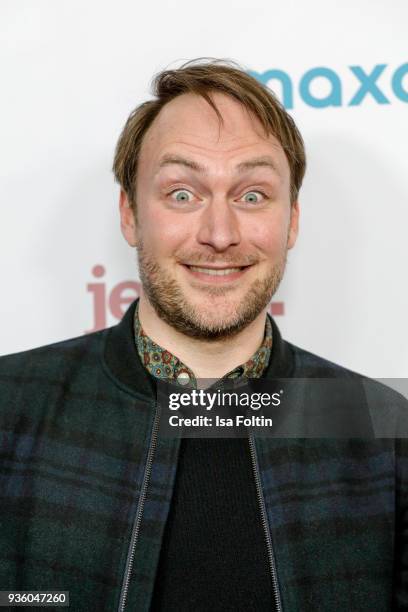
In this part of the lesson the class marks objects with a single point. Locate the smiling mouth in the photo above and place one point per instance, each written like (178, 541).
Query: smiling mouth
(216, 274)
(216, 271)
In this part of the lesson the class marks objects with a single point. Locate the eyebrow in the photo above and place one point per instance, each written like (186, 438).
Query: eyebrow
(168, 160)
(257, 162)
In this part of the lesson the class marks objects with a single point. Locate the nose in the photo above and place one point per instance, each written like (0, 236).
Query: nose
(219, 225)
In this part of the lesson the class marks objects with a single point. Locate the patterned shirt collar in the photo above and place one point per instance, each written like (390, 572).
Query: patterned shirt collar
(164, 365)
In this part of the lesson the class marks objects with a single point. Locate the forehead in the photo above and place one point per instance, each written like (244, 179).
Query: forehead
(188, 124)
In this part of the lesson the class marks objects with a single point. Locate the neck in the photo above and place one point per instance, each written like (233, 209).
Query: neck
(206, 358)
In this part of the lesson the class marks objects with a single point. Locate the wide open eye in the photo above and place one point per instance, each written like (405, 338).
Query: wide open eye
(182, 195)
(253, 197)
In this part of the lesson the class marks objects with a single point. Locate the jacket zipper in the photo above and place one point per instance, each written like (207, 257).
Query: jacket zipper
(139, 513)
(271, 558)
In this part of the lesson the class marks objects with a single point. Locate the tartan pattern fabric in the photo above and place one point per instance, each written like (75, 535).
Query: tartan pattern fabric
(162, 364)
(76, 423)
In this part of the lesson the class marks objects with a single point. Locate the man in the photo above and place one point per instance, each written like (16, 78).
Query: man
(95, 500)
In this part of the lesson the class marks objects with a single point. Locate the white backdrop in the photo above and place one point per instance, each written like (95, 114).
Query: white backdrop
(71, 72)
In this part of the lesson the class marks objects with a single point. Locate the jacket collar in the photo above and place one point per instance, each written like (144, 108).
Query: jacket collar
(122, 360)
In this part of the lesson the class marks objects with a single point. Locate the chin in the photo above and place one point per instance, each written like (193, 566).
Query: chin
(219, 322)
(215, 309)
(207, 312)
(217, 316)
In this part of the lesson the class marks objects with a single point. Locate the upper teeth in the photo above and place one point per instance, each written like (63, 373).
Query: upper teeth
(213, 272)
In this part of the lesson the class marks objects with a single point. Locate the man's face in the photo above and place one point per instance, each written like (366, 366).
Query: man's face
(214, 218)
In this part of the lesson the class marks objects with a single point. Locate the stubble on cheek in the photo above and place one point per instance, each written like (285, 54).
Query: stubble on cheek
(206, 322)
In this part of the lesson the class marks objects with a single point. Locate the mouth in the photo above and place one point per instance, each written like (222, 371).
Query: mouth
(216, 274)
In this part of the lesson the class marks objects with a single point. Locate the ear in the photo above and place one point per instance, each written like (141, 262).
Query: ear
(128, 223)
(293, 224)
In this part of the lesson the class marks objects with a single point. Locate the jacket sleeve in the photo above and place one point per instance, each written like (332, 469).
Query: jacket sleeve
(400, 593)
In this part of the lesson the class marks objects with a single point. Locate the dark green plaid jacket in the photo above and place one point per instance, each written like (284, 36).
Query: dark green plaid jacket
(81, 481)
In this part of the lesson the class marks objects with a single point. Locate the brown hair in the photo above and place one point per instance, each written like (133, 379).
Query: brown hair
(202, 79)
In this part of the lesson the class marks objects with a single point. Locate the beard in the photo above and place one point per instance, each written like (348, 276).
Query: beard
(218, 318)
